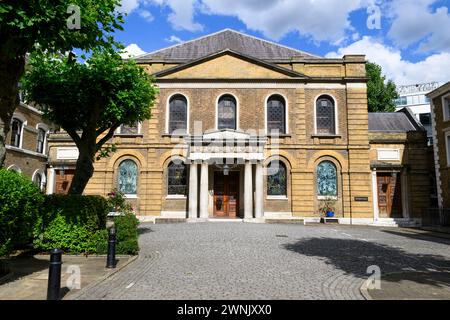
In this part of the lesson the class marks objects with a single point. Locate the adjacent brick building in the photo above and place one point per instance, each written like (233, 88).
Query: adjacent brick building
(440, 108)
(246, 128)
(26, 144)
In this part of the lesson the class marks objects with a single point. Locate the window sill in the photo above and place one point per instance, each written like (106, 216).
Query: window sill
(130, 196)
(284, 135)
(326, 136)
(175, 135)
(128, 135)
(326, 198)
(176, 197)
(277, 198)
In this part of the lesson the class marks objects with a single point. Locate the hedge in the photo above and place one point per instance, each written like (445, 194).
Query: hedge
(77, 224)
(20, 201)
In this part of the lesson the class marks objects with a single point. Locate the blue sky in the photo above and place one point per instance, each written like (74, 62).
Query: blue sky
(409, 38)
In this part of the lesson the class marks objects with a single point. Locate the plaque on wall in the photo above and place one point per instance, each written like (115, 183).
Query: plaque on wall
(361, 199)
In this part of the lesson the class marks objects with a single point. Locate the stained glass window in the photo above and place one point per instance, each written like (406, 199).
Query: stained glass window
(227, 113)
(276, 179)
(327, 179)
(177, 179)
(16, 131)
(325, 117)
(177, 114)
(276, 114)
(128, 177)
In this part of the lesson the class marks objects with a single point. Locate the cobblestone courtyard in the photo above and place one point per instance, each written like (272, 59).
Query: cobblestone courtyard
(265, 261)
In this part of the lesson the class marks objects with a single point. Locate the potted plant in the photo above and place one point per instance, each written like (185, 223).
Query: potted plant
(327, 207)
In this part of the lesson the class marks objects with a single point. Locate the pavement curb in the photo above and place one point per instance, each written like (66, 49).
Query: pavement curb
(365, 292)
(105, 277)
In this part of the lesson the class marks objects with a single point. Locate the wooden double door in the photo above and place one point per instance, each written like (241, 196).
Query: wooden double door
(226, 194)
(389, 195)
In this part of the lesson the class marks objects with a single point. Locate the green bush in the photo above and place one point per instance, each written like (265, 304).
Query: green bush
(73, 223)
(20, 201)
(77, 224)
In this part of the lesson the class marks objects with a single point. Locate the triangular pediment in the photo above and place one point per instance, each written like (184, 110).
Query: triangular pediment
(228, 65)
(226, 135)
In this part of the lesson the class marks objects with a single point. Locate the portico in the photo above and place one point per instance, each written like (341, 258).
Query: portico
(226, 175)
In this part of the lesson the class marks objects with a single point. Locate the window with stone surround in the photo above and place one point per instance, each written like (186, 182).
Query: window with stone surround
(129, 130)
(276, 179)
(177, 179)
(40, 140)
(326, 179)
(276, 114)
(127, 179)
(226, 113)
(325, 116)
(178, 114)
(16, 132)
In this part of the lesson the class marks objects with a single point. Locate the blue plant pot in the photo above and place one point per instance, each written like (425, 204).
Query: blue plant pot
(330, 214)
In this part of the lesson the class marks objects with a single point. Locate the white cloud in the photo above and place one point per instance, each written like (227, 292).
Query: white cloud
(182, 15)
(413, 21)
(131, 51)
(147, 15)
(322, 20)
(434, 68)
(128, 6)
(174, 39)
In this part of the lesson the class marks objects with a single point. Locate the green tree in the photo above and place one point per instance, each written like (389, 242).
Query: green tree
(50, 25)
(381, 94)
(89, 100)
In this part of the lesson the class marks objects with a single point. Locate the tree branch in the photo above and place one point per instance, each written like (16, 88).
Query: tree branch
(74, 135)
(108, 136)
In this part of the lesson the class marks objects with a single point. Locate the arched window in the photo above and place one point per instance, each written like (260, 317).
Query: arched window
(177, 114)
(226, 113)
(127, 177)
(276, 179)
(325, 115)
(177, 179)
(276, 114)
(16, 132)
(327, 179)
(39, 180)
(40, 140)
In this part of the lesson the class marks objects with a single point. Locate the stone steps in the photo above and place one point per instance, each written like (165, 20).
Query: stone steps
(170, 220)
(285, 221)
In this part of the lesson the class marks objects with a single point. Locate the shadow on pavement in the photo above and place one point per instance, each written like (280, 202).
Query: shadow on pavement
(355, 256)
(426, 236)
(23, 265)
(144, 230)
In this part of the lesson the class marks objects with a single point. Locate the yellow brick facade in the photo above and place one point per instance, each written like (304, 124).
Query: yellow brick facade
(300, 82)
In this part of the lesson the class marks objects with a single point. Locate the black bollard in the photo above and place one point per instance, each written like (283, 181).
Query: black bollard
(54, 275)
(111, 259)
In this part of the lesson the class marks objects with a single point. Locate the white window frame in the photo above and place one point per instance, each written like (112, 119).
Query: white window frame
(188, 108)
(336, 116)
(286, 112)
(447, 147)
(15, 168)
(43, 178)
(446, 107)
(237, 109)
(129, 195)
(47, 130)
(119, 132)
(24, 123)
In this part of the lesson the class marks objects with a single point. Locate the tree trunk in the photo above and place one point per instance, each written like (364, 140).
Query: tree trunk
(11, 70)
(84, 169)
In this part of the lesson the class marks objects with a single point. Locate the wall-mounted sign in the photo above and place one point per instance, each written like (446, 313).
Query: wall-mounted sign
(361, 199)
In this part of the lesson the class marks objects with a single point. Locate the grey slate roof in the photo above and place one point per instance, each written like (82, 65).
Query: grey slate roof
(391, 122)
(223, 40)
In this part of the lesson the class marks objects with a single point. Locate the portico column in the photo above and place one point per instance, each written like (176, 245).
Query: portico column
(193, 191)
(375, 195)
(204, 191)
(248, 191)
(259, 186)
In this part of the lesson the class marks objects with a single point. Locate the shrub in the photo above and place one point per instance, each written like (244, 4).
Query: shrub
(20, 201)
(72, 223)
